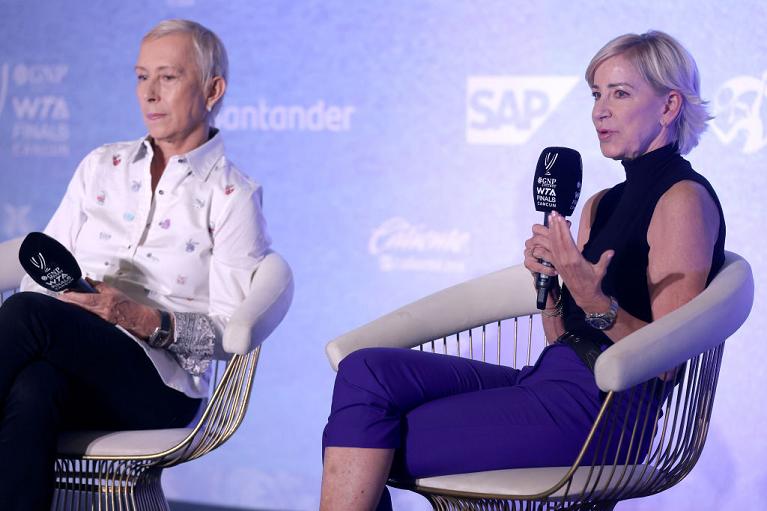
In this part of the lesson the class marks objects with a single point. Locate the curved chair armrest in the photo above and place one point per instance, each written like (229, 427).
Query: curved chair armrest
(269, 298)
(10, 268)
(500, 295)
(698, 326)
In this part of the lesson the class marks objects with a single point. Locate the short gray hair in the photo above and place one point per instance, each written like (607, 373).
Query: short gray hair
(666, 65)
(211, 54)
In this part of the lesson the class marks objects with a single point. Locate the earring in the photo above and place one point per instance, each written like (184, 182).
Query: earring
(209, 108)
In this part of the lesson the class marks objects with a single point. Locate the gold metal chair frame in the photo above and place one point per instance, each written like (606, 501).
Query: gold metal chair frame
(133, 482)
(678, 443)
(648, 433)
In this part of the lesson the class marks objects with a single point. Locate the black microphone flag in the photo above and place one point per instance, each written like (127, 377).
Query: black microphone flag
(557, 183)
(51, 265)
(556, 187)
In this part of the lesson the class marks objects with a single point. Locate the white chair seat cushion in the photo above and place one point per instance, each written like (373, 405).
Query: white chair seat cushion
(532, 481)
(120, 443)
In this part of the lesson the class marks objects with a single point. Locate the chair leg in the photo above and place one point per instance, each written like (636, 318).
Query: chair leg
(108, 485)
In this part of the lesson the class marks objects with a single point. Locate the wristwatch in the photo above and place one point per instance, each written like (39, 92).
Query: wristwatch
(161, 337)
(603, 320)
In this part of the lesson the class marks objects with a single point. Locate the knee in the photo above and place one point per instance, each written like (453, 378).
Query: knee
(363, 373)
(364, 366)
(19, 305)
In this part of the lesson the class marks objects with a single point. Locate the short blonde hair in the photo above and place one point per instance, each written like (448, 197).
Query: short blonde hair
(211, 54)
(666, 65)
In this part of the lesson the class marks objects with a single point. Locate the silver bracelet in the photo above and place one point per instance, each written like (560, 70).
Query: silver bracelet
(557, 312)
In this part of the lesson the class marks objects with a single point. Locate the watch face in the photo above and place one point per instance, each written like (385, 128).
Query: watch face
(598, 322)
(603, 320)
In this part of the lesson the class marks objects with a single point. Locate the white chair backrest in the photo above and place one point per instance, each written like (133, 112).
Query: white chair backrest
(698, 326)
(500, 295)
(10, 268)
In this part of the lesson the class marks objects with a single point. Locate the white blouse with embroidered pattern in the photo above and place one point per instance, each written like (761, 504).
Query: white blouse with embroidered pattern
(190, 248)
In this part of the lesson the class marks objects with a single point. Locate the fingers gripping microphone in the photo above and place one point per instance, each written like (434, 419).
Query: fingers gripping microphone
(51, 265)
(556, 187)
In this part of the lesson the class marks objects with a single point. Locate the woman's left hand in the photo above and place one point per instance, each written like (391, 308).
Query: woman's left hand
(114, 306)
(583, 279)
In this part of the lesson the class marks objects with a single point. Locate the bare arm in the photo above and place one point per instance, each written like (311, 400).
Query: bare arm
(682, 234)
(681, 237)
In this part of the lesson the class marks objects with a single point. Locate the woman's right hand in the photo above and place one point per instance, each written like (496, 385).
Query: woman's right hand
(536, 248)
(539, 247)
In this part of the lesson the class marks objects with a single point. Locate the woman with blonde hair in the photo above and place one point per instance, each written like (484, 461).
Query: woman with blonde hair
(643, 248)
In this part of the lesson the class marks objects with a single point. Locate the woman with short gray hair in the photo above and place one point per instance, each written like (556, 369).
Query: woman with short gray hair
(169, 232)
(210, 54)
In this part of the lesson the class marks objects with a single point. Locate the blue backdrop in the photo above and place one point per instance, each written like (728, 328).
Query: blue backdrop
(395, 142)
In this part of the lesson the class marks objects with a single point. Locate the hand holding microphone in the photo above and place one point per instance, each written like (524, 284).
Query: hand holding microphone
(52, 266)
(556, 187)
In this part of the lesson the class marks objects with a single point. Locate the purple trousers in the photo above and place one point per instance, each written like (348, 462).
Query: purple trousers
(447, 415)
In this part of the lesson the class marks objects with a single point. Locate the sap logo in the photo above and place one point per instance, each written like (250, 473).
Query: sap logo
(508, 110)
(36, 74)
(739, 108)
(41, 108)
(3, 86)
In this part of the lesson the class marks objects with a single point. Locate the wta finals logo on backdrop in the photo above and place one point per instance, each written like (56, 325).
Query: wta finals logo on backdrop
(739, 107)
(40, 125)
(508, 110)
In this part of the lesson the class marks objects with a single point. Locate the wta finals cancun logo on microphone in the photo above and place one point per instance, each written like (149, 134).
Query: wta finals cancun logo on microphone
(56, 279)
(546, 191)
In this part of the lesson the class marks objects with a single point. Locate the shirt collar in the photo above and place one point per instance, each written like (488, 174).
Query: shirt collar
(201, 160)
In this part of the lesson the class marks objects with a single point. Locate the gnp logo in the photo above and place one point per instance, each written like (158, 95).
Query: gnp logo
(739, 107)
(39, 74)
(3, 86)
(508, 110)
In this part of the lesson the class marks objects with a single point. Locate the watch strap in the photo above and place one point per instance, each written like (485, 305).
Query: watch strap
(161, 337)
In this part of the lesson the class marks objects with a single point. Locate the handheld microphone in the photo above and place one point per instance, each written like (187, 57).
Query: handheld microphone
(51, 265)
(556, 187)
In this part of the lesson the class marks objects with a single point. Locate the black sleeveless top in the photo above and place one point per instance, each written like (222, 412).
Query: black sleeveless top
(622, 218)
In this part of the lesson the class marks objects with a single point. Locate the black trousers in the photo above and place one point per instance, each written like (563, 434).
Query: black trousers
(63, 368)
